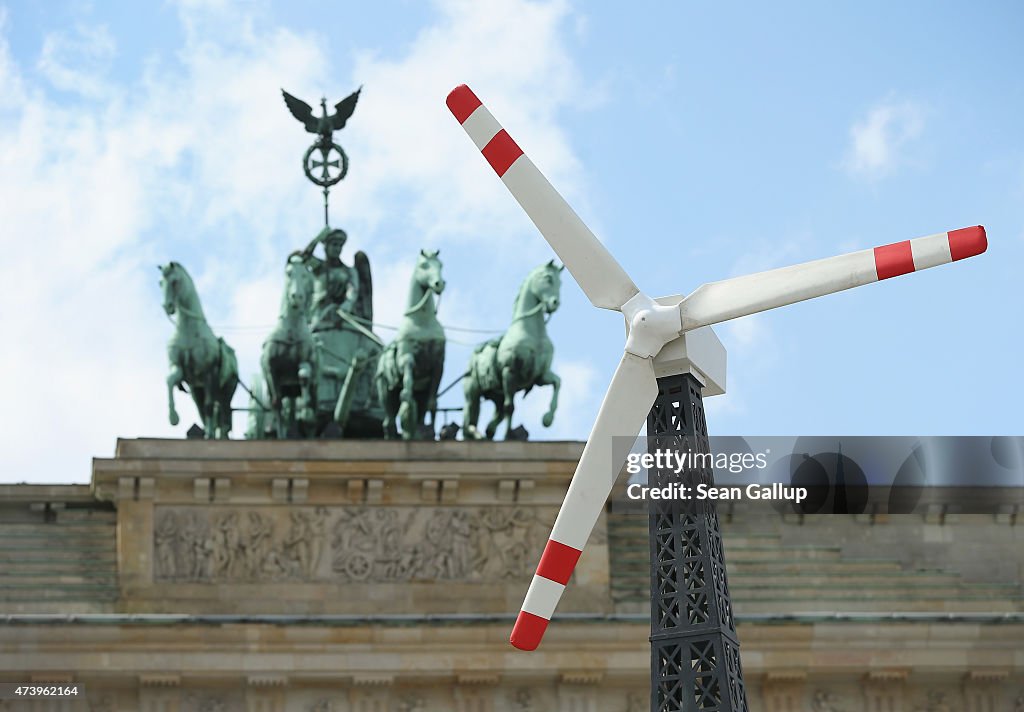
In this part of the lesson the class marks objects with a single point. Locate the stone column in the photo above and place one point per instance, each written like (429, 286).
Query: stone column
(265, 693)
(783, 691)
(884, 691)
(371, 693)
(577, 692)
(475, 692)
(983, 690)
(135, 534)
(159, 693)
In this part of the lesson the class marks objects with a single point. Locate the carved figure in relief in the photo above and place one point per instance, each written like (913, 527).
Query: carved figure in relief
(439, 540)
(504, 552)
(936, 703)
(522, 700)
(825, 702)
(165, 537)
(411, 703)
(226, 546)
(204, 703)
(297, 546)
(318, 535)
(261, 532)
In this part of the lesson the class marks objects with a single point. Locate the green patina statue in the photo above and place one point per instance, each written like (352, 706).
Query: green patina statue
(409, 371)
(347, 349)
(289, 358)
(198, 358)
(323, 371)
(518, 360)
(336, 292)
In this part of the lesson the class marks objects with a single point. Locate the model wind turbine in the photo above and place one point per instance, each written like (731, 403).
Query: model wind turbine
(656, 330)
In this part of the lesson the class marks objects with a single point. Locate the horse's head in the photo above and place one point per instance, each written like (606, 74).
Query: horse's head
(545, 284)
(176, 285)
(427, 273)
(298, 287)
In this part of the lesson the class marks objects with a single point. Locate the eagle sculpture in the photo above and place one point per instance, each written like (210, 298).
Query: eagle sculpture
(324, 125)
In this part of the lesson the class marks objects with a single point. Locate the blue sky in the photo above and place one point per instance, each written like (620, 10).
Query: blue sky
(698, 140)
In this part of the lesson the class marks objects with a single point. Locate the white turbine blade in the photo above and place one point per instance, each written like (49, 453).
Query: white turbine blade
(602, 279)
(626, 404)
(731, 298)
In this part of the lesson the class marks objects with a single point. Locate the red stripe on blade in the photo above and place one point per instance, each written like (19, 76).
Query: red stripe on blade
(967, 242)
(528, 631)
(558, 561)
(501, 152)
(462, 102)
(894, 260)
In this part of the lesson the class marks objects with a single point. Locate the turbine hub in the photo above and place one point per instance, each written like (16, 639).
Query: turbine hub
(650, 325)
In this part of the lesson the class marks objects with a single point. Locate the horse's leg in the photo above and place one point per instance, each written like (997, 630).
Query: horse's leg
(383, 396)
(422, 408)
(550, 378)
(509, 390)
(471, 409)
(274, 399)
(305, 414)
(288, 416)
(499, 415)
(226, 413)
(201, 400)
(214, 430)
(173, 379)
(213, 397)
(407, 412)
(431, 396)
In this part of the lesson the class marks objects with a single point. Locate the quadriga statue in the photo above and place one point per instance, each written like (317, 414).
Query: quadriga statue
(519, 359)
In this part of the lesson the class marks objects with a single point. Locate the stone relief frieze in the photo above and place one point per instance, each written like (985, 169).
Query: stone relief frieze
(345, 544)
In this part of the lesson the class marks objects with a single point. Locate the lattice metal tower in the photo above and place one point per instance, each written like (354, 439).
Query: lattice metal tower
(695, 657)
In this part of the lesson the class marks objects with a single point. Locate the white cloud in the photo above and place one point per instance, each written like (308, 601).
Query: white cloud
(880, 142)
(199, 158)
(508, 50)
(78, 61)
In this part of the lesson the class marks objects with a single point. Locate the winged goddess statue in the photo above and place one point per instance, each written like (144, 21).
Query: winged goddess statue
(331, 165)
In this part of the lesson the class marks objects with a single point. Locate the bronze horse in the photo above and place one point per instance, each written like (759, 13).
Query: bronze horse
(198, 358)
(409, 370)
(518, 360)
(289, 361)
